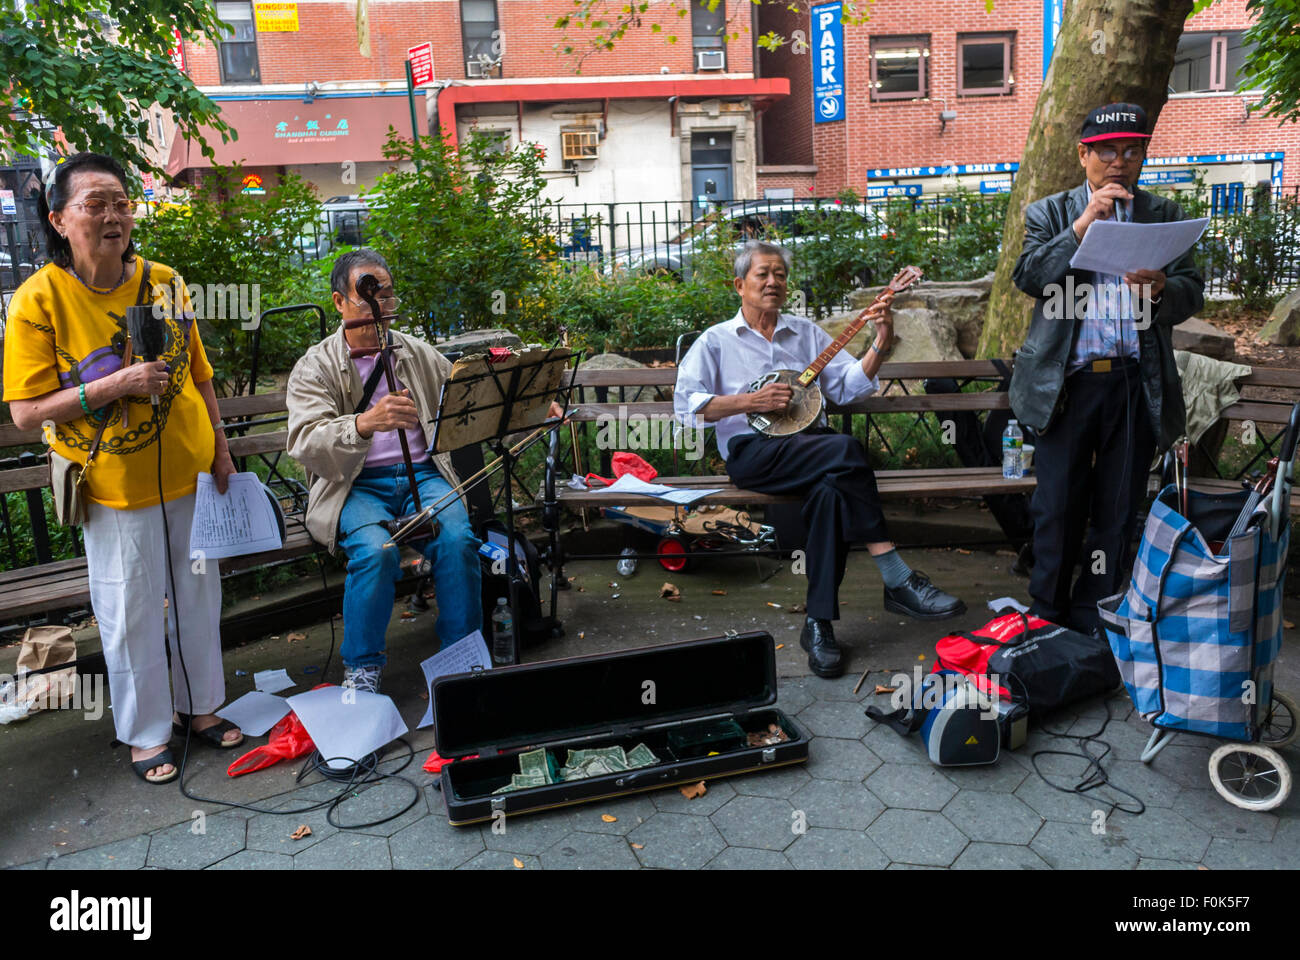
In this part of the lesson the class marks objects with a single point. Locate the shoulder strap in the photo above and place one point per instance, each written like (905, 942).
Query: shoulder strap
(372, 384)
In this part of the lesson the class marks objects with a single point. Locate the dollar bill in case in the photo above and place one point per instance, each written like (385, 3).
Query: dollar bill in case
(689, 706)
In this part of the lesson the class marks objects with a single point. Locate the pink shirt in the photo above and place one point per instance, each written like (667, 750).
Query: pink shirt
(385, 448)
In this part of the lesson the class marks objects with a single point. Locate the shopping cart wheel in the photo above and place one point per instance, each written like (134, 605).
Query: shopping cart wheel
(1250, 775)
(676, 546)
(1278, 728)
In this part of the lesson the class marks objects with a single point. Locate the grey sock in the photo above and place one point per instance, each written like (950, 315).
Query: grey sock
(893, 569)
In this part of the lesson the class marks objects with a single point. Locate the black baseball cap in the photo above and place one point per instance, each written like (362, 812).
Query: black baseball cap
(1114, 121)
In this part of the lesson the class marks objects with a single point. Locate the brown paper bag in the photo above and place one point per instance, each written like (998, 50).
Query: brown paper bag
(46, 647)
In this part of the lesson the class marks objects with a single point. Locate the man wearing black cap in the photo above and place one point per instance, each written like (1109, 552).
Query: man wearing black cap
(1096, 377)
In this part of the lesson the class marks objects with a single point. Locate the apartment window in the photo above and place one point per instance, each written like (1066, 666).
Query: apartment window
(898, 68)
(707, 26)
(1207, 62)
(496, 141)
(984, 64)
(481, 36)
(237, 50)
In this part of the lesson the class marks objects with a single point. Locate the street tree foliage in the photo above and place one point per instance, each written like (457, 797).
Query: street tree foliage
(1274, 62)
(92, 69)
(463, 230)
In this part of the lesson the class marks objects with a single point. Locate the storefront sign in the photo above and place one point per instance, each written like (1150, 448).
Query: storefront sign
(827, 63)
(276, 17)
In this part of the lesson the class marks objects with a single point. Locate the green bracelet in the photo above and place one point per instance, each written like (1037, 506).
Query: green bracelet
(84, 405)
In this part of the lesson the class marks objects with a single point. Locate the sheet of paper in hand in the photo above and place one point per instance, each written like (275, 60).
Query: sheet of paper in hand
(245, 519)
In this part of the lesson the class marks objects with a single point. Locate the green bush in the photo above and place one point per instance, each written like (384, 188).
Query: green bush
(224, 236)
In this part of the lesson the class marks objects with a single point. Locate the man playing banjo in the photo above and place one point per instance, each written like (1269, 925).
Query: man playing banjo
(830, 470)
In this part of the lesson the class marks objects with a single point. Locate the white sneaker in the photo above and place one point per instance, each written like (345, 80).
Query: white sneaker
(362, 678)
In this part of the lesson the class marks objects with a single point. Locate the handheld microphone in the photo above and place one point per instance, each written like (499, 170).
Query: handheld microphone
(147, 335)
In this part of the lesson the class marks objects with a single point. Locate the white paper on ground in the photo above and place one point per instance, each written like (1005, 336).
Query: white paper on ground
(347, 724)
(272, 681)
(1002, 603)
(240, 521)
(255, 712)
(466, 654)
(678, 495)
(1113, 247)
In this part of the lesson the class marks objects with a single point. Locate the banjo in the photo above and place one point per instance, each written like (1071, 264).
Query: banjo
(808, 402)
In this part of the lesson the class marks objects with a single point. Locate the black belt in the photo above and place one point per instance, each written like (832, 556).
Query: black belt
(1109, 365)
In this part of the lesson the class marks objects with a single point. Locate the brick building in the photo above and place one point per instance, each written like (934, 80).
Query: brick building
(947, 87)
(927, 90)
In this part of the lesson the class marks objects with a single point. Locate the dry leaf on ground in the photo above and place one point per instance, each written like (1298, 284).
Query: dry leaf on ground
(608, 819)
(302, 831)
(719, 593)
(519, 864)
(669, 591)
(295, 637)
(691, 791)
(780, 645)
(638, 846)
(881, 688)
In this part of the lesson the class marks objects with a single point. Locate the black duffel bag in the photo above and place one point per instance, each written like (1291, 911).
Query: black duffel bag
(1052, 666)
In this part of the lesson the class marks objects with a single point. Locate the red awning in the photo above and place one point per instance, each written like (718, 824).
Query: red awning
(274, 132)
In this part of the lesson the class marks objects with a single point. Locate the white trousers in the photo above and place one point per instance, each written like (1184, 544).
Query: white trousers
(126, 560)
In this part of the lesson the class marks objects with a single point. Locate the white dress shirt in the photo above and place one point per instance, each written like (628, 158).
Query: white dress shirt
(731, 355)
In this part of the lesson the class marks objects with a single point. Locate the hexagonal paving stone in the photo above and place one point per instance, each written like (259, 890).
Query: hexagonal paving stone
(379, 802)
(891, 747)
(676, 841)
(271, 831)
(756, 822)
(590, 851)
(346, 850)
(501, 860)
(30, 865)
(780, 782)
(628, 814)
(748, 858)
(830, 758)
(999, 856)
(834, 803)
(1001, 777)
(1073, 846)
(993, 817)
(913, 836)
(128, 854)
(672, 800)
(434, 844)
(1144, 864)
(177, 848)
(1126, 740)
(1151, 786)
(1212, 813)
(836, 718)
(824, 849)
(792, 696)
(528, 833)
(1161, 834)
(911, 787)
(1052, 804)
(841, 688)
(1248, 855)
(1186, 762)
(255, 860)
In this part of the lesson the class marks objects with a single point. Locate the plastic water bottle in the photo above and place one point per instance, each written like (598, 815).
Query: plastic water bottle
(627, 562)
(1013, 459)
(503, 638)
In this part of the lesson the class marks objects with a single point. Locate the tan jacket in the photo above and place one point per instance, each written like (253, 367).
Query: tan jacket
(324, 388)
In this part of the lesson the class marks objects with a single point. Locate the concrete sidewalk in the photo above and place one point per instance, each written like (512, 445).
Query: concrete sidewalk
(867, 798)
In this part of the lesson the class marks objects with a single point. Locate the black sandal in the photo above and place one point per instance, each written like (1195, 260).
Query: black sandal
(212, 734)
(142, 767)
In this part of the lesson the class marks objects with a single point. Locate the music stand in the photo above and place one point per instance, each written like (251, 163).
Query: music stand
(486, 400)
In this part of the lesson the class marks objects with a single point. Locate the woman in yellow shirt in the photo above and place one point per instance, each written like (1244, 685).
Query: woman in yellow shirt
(63, 370)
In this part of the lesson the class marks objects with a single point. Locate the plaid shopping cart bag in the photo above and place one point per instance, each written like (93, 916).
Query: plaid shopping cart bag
(1197, 632)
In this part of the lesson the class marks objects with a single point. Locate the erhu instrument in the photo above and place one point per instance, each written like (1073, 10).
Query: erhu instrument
(367, 287)
(807, 404)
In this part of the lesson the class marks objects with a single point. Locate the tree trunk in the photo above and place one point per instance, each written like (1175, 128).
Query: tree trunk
(1108, 51)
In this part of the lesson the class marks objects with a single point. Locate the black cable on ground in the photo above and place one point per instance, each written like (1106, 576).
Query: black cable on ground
(1094, 775)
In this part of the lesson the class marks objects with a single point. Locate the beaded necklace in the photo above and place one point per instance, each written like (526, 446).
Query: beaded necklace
(72, 270)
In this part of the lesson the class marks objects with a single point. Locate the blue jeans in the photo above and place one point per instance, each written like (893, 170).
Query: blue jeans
(384, 493)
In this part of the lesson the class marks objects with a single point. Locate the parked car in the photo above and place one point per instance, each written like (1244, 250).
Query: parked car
(785, 221)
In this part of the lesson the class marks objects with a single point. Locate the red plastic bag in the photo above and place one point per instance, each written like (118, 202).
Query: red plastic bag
(435, 763)
(288, 740)
(622, 463)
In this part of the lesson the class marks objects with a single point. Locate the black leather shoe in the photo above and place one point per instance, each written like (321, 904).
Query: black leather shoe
(921, 599)
(824, 655)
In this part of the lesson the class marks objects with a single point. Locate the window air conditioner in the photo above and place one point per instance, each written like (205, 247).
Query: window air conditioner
(710, 60)
(580, 143)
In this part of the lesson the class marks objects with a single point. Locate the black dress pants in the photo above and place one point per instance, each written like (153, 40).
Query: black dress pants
(841, 504)
(1092, 467)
